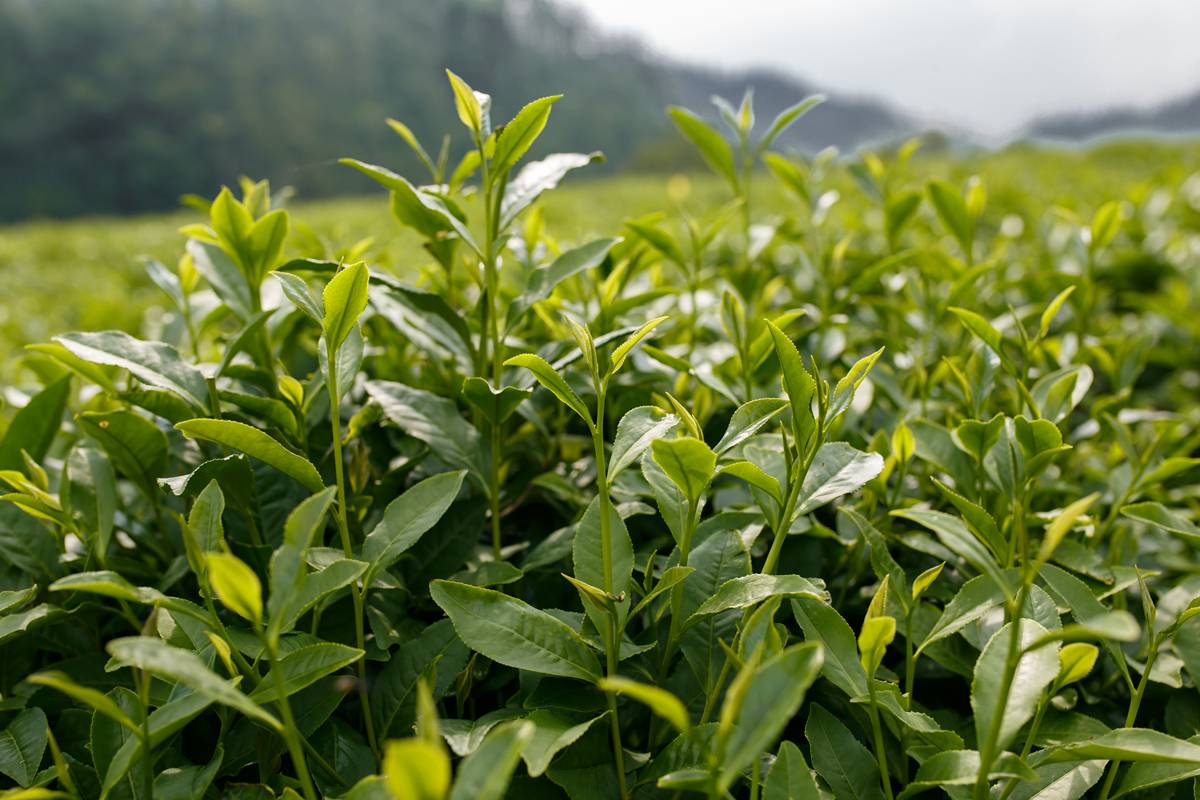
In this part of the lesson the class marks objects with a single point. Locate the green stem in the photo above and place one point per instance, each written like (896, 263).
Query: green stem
(910, 679)
(877, 731)
(614, 644)
(613, 639)
(605, 502)
(239, 660)
(785, 517)
(987, 749)
(1029, 739)
(1135, 703)
(494, 486)
(147, 742)
(685, 546)
(491, 209)
(664, 664)
(291, 733)
(714, 691)
(358, 595)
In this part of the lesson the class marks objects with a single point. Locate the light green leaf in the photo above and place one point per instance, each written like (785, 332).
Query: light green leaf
(516, 137)
(752, 474)
(797, 383)
(466, 103)
(548, 377)
(1060, 527)
(1105, 224)
(786, 118)
(688, 462)
(235, 585)
(626, 347)
(416, 769)
(713, 149)
(345, 298)
(948, 203)
(843, 393)
(658, 700)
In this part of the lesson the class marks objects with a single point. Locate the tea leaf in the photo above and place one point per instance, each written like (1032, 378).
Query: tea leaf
(235, 585)
(520, 133)
(345, 298)
(790, 777)
(688, 462)
(303, 667)
(660, 701)
(846, 765)
(547, 376)
(514, 633)
(407, 518)
(1014, 707)
(184, 667)
(713, 149)
(255, 444)
(22, 745)
(417, 769)
(485, 774)
(33, 428)
(154, 363)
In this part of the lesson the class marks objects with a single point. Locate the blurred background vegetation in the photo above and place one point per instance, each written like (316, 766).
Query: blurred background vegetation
(120, 106)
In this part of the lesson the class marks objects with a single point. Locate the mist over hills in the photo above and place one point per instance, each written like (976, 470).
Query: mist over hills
(1176, 117)
(120, 106)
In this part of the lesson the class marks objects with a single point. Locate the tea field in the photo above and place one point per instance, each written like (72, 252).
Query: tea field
(870, 476)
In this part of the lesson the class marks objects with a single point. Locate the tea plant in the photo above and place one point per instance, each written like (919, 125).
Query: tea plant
(884, 496)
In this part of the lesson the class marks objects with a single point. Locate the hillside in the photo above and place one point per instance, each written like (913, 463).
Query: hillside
(119, 106)
(1175, 117)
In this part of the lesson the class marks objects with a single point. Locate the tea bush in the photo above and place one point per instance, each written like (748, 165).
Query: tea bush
(889, 494)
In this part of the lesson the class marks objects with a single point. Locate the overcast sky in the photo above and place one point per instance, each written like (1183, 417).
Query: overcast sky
(987, 65)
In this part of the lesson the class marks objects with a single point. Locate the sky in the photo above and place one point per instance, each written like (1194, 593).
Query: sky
(988, 66)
